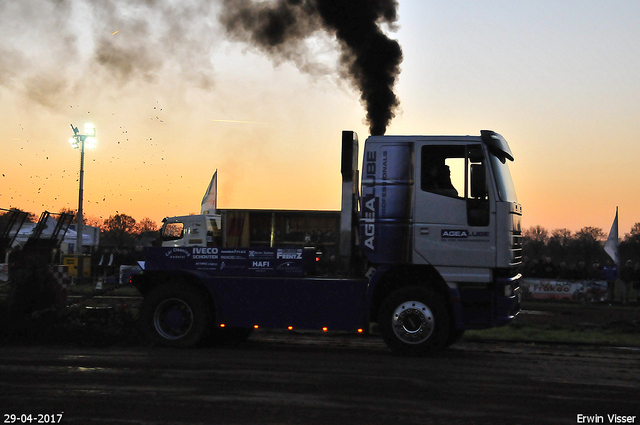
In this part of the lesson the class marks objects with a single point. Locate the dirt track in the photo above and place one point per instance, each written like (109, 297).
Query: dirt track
(320, 379)
(96, 373)
(574, 314)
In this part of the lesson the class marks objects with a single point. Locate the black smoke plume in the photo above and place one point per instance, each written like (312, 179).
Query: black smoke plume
(369, 58)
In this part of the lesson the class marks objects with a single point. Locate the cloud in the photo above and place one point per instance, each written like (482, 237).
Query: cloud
(54, 48)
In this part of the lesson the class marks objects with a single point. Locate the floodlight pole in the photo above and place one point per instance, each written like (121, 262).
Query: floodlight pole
(80, 139)
(80, 217)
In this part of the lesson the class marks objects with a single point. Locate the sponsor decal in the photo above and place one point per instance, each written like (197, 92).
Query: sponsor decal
(288, 265)
(370, 208)
(369, 274)
(594, 290)
(259, 266)
(371, 164)
(463, 234)
(178, 253)
(205, 253)
(289, 254)
(290, 268)
(383, 198)
(205, 250)
(236, 261)
(369, 220)
(259, 254)
(233, 254)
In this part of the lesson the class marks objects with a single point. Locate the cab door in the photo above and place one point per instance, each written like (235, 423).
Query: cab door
(453, 218)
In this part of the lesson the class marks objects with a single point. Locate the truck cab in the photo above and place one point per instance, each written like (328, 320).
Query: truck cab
(442, 210)
(447, 201)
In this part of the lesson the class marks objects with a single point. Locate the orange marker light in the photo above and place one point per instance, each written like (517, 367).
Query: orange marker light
(325, 329)
(290, 328)
(222, 325)
(255, 326)
(360, 331)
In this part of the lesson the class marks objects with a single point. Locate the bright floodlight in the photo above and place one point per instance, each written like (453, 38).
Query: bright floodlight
(87, 140)
(89, 130)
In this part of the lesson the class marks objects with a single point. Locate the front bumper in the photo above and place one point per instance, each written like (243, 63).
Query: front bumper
(488, 305)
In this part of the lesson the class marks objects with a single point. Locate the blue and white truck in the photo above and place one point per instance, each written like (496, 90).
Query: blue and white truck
(428, 246)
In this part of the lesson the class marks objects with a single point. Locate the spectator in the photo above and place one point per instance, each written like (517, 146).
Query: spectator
(562, 271)
(533, 268)
(636, 280)
(582, 273)
(524, 266)
(595, 273)
(610, 274)
(549, 270)
(572, 272)
(626, 278)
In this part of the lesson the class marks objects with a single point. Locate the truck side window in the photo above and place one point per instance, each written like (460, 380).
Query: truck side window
(458, 171)
(214, 234)
(173, 231)
(478, 198)
(443, 170)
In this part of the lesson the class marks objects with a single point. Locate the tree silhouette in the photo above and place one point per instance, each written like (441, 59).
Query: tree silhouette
(534, 241)
(119, 230)
(630, 246)
(589, 244)
(146, 225)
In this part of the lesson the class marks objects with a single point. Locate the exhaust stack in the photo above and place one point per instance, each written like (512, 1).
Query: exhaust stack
(350, 195)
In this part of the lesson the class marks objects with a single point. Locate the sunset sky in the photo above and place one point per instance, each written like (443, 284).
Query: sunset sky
(179, 99)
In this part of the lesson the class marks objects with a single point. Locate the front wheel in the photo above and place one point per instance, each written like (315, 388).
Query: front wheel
(175, 315)
(414, 321)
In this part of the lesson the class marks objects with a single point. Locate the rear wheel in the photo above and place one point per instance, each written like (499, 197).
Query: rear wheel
(414, 321)
(175, 315)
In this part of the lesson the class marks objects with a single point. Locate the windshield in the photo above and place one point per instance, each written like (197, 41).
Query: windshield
(506, 190)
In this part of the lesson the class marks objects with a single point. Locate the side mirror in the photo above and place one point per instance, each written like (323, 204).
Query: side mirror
(478, 181)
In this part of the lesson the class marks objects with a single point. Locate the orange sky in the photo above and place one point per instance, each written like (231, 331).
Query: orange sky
(563, 92)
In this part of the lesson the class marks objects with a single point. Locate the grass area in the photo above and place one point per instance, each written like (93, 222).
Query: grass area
(628, 336)
(555, 321)
(555, 305)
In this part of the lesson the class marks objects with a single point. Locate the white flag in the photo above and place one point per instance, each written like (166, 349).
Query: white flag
(611, 245)
(210, 200)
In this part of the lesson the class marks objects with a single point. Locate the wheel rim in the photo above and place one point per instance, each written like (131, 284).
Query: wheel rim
(412, 322)
(173, 319)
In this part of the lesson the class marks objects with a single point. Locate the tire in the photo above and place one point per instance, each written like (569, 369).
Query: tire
(176, 315)
(414, 321)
